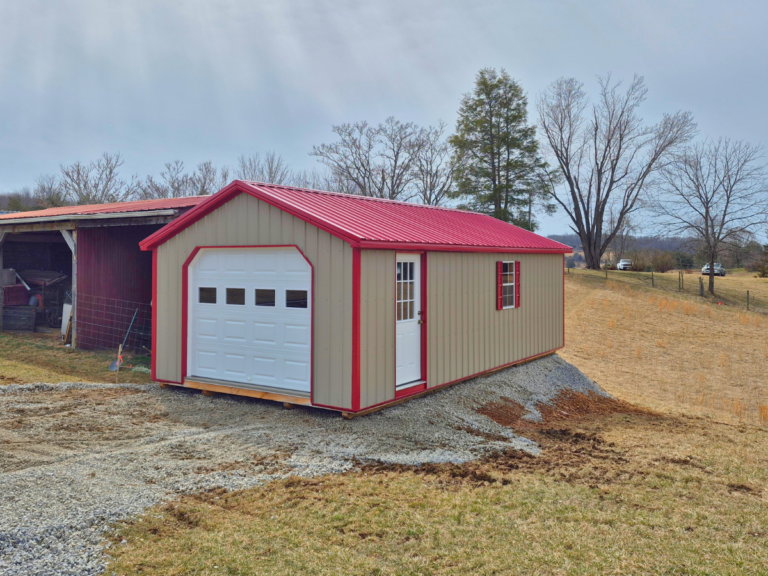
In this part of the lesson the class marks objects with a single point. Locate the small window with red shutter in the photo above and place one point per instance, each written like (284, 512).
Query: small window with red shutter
(507, 285)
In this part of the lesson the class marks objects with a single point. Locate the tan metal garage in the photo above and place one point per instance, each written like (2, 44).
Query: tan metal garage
(345, 302)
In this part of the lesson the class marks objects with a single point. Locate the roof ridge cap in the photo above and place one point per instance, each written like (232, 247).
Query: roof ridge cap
(360, 197)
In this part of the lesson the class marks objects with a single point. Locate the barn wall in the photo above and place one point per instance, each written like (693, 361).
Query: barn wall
(245, 221)
(467, 335)
(377, 326)
(111, 264)
(114, 278)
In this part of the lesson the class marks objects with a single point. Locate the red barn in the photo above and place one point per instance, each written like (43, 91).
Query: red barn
(96, 249)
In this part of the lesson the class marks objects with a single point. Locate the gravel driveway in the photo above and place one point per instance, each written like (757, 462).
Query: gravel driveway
(77, 457)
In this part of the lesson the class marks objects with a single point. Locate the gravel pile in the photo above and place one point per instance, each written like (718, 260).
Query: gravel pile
(78, 457)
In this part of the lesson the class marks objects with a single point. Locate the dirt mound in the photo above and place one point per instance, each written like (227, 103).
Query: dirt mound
(566, 406)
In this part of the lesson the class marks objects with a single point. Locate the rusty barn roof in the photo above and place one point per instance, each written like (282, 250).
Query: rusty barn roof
(115, 208)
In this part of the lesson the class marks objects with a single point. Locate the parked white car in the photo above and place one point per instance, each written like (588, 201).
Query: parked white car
(624, 264)
(719, 270)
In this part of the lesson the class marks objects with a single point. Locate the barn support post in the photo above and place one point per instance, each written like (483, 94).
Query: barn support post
(3, 236)
(71, 239)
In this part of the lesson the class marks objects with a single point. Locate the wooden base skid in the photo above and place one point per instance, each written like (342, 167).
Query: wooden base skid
(210, 389)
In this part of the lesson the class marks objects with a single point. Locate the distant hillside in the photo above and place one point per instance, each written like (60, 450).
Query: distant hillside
(637, 243)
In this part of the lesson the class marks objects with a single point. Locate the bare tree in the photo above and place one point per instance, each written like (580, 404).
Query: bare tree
(20, 200)
(271, 168)
(433, 167)
(174, 182)
(607, 156)
(321, 180)
(376, 161)
(207, 179)
(743, 248)
(625, 232)
(98, 182)
(714, 192)
(49, 193)
(353, 157)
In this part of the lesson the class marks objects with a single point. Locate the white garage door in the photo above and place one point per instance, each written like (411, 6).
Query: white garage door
(250, 318)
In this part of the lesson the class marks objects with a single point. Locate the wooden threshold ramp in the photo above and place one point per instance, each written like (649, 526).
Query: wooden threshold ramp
(222, 389)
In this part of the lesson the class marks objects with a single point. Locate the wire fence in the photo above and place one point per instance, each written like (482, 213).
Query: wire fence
(102, 324)
(741, 290)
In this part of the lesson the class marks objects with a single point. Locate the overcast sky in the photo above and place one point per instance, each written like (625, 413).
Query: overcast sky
(158, 80)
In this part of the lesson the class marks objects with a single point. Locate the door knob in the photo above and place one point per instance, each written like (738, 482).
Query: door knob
(421, 321)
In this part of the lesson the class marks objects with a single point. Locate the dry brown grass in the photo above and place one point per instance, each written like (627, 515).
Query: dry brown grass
(730, 290)
(668, 352)
(26, 358)
(618, 489)
(621, 494)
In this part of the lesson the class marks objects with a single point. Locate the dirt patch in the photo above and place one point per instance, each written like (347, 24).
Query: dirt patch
(568, 405)
(567, 453)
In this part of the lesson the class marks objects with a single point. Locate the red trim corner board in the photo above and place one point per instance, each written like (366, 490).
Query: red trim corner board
(356, 287)
(424, 318)
(154, 315)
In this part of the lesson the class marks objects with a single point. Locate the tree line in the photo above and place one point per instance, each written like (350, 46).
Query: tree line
(596, 159)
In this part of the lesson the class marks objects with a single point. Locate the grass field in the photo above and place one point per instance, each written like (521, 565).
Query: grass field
(26, 358)
(668, 351)
(731, 290)
(677, 486)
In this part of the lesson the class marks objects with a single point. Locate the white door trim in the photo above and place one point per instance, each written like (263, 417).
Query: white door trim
(408, 320)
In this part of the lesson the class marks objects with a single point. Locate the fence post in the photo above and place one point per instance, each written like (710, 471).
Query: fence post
(701, 286)
(606, 271)
(747, 299)
(653, 284)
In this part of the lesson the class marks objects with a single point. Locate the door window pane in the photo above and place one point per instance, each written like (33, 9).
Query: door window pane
(406, 291)
(296, 298)
(207, 296)
(236, 296)
(265, 297)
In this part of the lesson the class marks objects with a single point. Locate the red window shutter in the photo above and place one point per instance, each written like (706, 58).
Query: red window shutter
(517, 284)
(499, 285)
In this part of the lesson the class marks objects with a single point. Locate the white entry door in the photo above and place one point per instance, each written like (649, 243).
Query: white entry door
(408, 320)
(250, 318)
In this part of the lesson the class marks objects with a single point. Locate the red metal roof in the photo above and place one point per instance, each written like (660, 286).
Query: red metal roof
(376, 223)
(118, 207)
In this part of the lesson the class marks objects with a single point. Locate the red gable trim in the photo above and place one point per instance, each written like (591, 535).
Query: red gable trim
(225, 195)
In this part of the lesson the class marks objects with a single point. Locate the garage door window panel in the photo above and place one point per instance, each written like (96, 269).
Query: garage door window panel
(265, 297)
(236, 296)
(207, 296)
(296, 299)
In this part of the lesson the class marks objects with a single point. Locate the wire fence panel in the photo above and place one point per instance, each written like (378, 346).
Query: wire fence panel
(102, 324)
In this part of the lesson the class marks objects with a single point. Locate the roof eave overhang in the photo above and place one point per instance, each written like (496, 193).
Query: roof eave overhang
(74, 217)
(413, 246)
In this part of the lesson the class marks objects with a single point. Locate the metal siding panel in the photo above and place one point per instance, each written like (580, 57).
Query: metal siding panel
(346, 319)
(381, 330)
(323, 319)
(390, 274)
(336, 345)
(377, 332)
(465, 323)
(245, 221)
